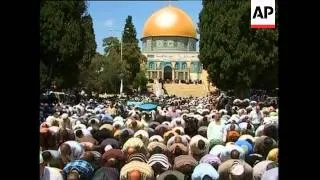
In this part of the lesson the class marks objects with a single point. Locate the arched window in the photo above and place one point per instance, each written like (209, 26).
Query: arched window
(161, 65)
(177, 66)
(194, 67)
(184, 66)
(151, 65)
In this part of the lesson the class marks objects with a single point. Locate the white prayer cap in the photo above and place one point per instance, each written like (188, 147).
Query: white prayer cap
(64, 116)
(79, 126)
(236, 101)
(118, 118)
(119, 123)
(223, 111)
(253, 103)
(249, 108)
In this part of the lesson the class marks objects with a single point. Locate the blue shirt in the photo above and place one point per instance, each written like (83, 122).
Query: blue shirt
(245, 145)
(84, 168)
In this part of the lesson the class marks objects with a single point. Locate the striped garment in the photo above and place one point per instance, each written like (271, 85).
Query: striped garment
(137, 157)
(160, 158)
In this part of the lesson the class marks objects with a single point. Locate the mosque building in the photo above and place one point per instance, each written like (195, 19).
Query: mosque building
(169, 42)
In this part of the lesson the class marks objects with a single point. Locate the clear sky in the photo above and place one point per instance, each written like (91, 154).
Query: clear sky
(109, 16)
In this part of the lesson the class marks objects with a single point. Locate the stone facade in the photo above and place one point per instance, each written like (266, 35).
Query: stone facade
(171, 58)
(164, 44)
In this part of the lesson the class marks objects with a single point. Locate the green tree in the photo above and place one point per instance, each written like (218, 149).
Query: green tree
(111, 45)
(90, 44)
(129, 67)
(236, 56)
(131, 51)
(140, 81)
(66, 41)
(112, 73)
(92, 76)
(115, 69)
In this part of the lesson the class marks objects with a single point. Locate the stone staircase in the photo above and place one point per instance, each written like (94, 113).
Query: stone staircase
(155, 88)
(186, 90)
(195, 90)
(204, 77)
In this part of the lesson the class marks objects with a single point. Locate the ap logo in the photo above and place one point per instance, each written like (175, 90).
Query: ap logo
(263, 14)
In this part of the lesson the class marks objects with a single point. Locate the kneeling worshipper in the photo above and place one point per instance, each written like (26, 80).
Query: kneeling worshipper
(136, 168)
(70, 150)
(52, 158)
(78, 170)
(235, 169)
(204, 171)
(106, 173)
(172, 175)
(49, 173)
(159, 163)
(272, 174)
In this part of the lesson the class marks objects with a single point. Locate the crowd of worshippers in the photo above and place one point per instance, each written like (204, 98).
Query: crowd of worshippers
(184, 138)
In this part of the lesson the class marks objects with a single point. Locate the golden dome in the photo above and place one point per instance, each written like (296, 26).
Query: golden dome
(169, 21)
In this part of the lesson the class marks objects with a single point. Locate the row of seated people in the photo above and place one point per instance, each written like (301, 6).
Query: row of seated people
(169, 81)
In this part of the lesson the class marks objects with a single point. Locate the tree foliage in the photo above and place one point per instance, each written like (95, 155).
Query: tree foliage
(131, 51)
(140, 81)
(132, 58)
(103, 75)
(236, 56)
(91, 77)
(111, 45)
(67, 41)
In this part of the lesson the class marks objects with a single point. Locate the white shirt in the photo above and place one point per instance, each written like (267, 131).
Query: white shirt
(256, 117)
(50, 173)
(86, 132)
(50, 120)
(259, 131)
(244, 125)
(76, 150)
(215, 130)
